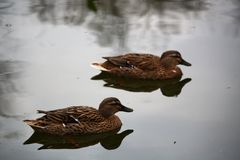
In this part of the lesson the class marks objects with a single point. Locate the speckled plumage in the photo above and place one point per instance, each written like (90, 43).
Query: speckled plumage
(80, 119)
(144, 66)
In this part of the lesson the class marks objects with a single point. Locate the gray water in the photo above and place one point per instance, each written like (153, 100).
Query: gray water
(47, 46)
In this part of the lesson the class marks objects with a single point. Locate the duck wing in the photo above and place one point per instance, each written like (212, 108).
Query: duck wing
(74, 114)
(131, 60)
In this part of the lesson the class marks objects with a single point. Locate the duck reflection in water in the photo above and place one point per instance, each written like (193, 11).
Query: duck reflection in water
(169, 88)
(109, 140)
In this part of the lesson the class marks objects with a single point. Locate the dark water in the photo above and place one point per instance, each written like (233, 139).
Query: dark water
(46, 47)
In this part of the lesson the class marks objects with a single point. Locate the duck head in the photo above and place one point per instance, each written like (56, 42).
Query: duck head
(110, 106)
(172, 58)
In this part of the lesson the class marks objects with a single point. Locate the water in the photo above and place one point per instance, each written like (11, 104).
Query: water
(46, 49)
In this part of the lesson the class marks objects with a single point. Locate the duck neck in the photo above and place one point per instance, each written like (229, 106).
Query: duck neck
(170, 71)
(167, 66)
(105, 112)
(167, 63)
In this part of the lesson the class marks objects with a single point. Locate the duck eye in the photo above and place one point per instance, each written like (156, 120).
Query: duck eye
(175, 55)
(114, 103)
(117, 101)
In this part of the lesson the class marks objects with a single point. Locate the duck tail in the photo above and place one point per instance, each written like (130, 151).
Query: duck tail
(107, 58)
(41, 111)
(35, 124)
(99, 67)
(30, 122)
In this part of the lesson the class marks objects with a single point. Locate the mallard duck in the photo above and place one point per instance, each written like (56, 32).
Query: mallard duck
(144, 66)
(80, 119)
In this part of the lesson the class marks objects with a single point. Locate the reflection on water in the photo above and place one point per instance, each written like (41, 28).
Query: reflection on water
(235, 13)
(11, 135)
(10, 71)
(111, 20)
(5, 4)
(109, 141)
(169, 88)
(76, 11)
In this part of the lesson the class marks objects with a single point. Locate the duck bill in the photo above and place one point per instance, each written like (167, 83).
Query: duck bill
(125, 109)
(185, 63)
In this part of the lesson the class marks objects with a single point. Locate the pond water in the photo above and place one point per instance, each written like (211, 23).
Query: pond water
(47, 46)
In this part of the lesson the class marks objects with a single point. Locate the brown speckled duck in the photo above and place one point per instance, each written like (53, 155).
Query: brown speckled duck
(80, 119)
(144, 66)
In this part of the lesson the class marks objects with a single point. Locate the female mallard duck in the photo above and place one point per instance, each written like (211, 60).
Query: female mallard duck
(80, 119)
(144, 66)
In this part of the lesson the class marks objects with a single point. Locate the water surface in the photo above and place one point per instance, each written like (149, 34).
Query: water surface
(46, 47)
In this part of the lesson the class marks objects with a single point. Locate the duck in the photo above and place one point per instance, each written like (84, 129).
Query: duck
(144, 66)
(80, 120)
